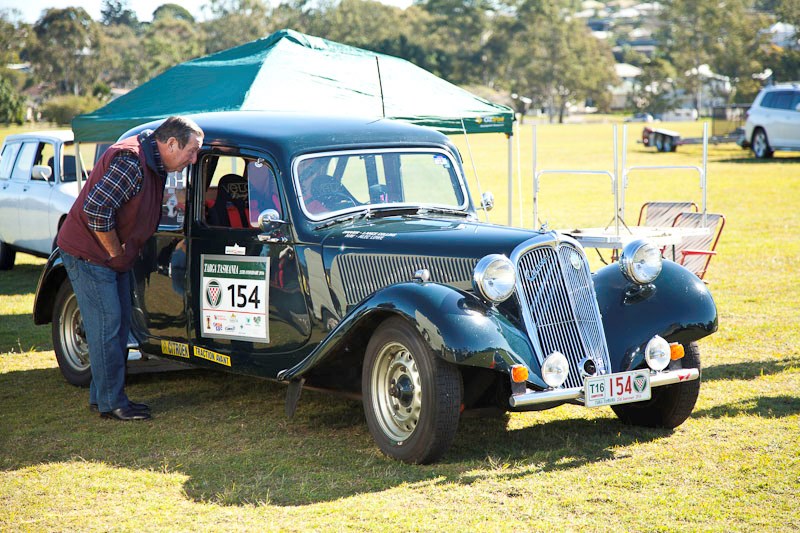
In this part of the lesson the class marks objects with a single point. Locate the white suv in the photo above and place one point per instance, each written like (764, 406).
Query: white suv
(37, 188)
(773, 121)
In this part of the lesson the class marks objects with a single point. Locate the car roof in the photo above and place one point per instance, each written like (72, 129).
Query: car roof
(294, 134)
(51, 135)
(782, 86)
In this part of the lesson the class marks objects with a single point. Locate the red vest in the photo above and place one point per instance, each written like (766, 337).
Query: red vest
(136, 220)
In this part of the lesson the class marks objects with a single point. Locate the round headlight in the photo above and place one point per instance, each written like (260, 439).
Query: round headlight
(640, 261)
(555, 369)
(495, 278)
(657, 353)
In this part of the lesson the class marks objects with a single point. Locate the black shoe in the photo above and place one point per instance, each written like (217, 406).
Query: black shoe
(139, 406)
(126, 413)
(133, 405)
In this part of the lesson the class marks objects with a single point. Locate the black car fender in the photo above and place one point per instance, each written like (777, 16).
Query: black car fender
(677, 306)
(53, 275)
(456, 325)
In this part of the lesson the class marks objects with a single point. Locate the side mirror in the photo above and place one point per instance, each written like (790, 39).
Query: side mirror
(269, 220)
(41, 172)
(487, 201)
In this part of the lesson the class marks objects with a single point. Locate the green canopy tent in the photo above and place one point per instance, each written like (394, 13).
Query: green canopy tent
(292, 72)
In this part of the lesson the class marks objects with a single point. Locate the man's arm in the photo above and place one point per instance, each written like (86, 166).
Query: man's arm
(110, 241)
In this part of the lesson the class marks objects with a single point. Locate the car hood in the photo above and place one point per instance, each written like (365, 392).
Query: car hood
(425, 236)
(369, 255)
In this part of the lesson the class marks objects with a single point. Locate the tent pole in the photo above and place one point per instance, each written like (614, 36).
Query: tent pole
(79, 165)
(510, 177)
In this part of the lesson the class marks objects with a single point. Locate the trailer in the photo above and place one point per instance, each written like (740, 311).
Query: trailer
(665, 140)
(727, 125)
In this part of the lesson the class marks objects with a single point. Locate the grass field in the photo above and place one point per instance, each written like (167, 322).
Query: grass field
(221, 455)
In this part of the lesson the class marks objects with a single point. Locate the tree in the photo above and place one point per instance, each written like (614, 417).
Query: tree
(116, 12)
(172, 11)
(235, 22)
(725, 36)
(66, 50)
(167, 42)
(12, 105)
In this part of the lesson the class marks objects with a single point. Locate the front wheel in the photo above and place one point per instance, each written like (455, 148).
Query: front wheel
(412, 398)
(69, 338)
(670, 405)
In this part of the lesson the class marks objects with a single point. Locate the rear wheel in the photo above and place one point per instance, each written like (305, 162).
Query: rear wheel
(760, 144)
(412, 398)
(670, 405)
(69, 338)
(7, 256)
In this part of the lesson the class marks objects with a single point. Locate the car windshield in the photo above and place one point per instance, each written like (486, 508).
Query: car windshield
(333, 183)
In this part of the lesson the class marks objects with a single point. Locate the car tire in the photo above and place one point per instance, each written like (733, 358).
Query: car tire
(670, 405)
(669, 146)
(412, 398)
(760, 144)
(69, 339)
(7, 256)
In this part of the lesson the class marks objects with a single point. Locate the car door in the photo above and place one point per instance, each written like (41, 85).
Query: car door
(781, 115)
(9, 193)
(18, 183)
(37, 230)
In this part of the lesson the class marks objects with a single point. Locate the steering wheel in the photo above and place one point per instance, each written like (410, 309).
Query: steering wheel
(328, 191)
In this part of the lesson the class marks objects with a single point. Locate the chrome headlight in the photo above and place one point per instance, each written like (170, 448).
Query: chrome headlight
(555, 369)
(641, 261)
(657, 353)
(495, 278)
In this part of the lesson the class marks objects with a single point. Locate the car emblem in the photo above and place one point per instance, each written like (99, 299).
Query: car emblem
(575, 261)
(531, 273)
(213, 294)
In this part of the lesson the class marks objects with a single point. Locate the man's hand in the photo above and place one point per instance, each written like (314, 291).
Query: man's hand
(110, 241)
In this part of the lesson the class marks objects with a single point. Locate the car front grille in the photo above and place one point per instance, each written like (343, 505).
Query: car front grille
(560, 309)
(363, 274)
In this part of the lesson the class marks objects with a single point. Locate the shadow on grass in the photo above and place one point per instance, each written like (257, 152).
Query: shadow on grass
(763, 406)
(229, 436)
(749, 369)
(756, 161)
(18, 334)
(22, 279)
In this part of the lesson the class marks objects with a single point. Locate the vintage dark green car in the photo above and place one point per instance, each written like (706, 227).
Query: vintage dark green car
(347, 254)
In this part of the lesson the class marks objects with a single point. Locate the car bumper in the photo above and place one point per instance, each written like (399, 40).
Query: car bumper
(657, 379)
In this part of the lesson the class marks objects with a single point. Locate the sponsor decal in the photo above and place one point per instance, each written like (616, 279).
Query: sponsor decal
(368, 235)
(639, 383)
(214, 357)
(178, 349)
(213, 293)
(234, 250)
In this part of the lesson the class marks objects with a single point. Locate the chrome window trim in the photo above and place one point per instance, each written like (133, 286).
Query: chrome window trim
(377, 151)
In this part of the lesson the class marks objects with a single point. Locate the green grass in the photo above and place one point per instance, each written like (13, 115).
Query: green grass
(220, 454)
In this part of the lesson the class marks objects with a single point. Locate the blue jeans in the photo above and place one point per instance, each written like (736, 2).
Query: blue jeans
(104, 299)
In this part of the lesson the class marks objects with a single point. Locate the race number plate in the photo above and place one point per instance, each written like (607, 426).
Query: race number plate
(613, 389)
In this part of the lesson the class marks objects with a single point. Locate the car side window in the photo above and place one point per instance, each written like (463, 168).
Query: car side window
(262, 189)
(768, 100)
(25, 159)
(173, 206)
(46, 155)
(783, 99)
(225, 197)
(796, 101)
(7, 159)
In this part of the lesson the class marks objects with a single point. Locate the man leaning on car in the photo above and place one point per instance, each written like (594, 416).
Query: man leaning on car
(115, 213)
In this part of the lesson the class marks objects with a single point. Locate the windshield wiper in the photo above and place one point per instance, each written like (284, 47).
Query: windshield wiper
(443, 210)
(341, 218)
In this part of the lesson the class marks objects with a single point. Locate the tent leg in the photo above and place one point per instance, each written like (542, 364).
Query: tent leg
(79, 165)
(510, 178)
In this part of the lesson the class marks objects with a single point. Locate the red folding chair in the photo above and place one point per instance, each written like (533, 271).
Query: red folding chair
(663, 213)
(695, 252)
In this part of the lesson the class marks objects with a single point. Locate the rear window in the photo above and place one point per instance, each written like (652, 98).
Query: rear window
(779, 99)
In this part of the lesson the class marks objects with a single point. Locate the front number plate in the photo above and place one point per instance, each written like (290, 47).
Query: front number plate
(613, 389)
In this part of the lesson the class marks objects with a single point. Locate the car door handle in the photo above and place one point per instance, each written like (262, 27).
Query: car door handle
(266, 237)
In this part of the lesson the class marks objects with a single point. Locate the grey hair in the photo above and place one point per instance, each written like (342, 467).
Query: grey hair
(181, 128)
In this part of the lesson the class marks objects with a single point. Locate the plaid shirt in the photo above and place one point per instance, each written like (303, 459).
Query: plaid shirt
(121, 182)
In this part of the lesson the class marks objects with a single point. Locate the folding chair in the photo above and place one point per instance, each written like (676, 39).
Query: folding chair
(695, 252)
(663, 213)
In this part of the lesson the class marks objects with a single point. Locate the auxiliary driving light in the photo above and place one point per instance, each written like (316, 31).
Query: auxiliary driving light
(555, 369)
(641, 261)
(657, 353)
(519, 373)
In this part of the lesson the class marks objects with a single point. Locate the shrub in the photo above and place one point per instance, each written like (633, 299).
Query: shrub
(62, 109)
